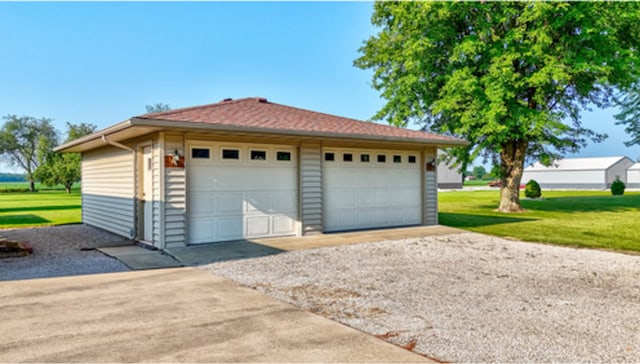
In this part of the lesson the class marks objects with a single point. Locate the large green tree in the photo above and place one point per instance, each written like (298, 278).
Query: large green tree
(629, 115)
(510, 77)
(20, 140)
(62, 168)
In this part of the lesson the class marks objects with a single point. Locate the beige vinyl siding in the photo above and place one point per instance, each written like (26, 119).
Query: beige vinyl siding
(175, 193)
(157, 194)
(108, 189)
(430, 206)
(311, 188)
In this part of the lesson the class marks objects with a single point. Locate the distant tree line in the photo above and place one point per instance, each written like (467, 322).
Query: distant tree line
(12, 177)
(27, 143)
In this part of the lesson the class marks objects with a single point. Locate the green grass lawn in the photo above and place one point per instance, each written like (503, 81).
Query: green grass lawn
(477, 182)
(27, 209)
(578, 218)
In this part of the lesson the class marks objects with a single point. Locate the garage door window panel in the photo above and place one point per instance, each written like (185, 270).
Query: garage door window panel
(283, 156)
(329, 157)
(258, 155)
(200, 153)
(230, 154)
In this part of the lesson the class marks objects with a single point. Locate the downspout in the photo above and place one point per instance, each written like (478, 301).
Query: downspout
(116, 144)
(133, 232)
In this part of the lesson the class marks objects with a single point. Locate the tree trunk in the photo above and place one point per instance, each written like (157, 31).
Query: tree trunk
(512, 157)
(67, 187)
(32, 185)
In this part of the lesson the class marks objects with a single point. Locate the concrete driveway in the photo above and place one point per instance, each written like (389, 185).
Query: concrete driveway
(170, 315)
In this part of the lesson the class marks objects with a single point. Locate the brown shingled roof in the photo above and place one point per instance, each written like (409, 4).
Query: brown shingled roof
(258, 113)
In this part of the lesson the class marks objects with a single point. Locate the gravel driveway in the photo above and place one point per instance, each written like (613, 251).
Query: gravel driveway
(466, 297)
(56, 253)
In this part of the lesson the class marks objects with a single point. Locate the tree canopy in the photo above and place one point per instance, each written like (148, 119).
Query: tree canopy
(510, 77)
(479, 172)
(20, 140)
(157, 107)
(62, 168)
(629, 115)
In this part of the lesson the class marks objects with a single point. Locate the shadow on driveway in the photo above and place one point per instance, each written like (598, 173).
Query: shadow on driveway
(218, 252)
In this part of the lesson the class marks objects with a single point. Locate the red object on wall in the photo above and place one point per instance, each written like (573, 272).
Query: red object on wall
(431, 166)
(172, 162)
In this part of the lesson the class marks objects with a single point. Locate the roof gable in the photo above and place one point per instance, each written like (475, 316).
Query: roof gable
(260, 114)
(574, 164)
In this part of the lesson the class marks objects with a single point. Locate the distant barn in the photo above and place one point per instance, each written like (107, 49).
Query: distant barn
(448, 177)
(579, 173)
(633, 176)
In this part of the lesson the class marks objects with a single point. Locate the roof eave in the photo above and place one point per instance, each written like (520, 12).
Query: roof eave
(68, 147)
(112, 135)
(453, 142)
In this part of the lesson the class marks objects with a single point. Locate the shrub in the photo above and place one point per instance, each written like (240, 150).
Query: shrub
(532, 189)
(617, 187)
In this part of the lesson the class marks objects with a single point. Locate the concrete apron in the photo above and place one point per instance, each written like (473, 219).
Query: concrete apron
(139, 258)
(356, 237)
(208, 253)
(170, 315)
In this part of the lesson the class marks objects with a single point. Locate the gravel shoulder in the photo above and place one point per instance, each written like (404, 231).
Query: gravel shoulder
(57, 252)
(465, 297)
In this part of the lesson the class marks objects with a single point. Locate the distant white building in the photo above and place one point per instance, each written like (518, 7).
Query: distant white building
(633, 176)
(448, 176)
(579, 173)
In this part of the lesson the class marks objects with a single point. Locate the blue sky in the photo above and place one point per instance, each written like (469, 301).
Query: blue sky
(103, 62)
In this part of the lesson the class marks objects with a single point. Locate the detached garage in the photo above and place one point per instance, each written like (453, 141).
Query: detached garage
(250, 168)
(579, 173)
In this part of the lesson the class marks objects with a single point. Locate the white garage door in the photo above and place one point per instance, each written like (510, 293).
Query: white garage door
(240, 192)
(368, 189)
